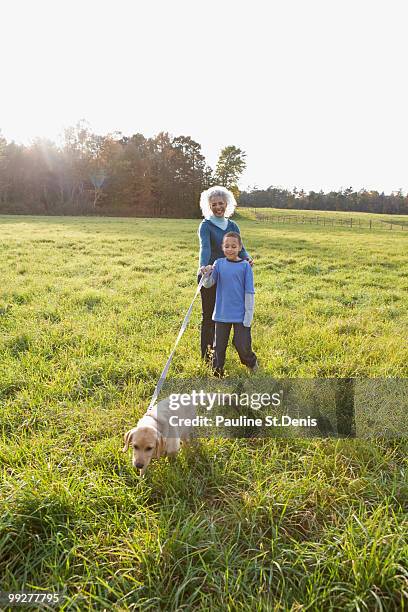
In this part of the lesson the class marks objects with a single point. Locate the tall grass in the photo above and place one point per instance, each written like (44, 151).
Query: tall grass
(89, 310)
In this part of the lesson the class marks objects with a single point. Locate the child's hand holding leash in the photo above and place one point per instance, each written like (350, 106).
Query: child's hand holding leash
(206, 270)
(208, 276)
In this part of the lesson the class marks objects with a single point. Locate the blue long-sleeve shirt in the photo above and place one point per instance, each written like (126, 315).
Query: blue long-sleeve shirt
(234, 302)
(211, 237)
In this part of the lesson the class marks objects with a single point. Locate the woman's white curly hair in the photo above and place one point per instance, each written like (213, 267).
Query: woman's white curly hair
(220, 192)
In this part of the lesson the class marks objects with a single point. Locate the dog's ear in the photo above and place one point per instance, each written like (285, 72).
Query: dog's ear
(127, 437)
(160, 447)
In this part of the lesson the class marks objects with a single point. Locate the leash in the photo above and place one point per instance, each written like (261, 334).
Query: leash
(181, 332)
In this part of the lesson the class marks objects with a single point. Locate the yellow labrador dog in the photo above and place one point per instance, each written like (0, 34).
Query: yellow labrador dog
(159, 433)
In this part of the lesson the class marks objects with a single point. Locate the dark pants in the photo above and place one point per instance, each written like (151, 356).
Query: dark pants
(207, 324)
(241, 341)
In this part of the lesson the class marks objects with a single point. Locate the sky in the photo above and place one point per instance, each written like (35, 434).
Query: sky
(314, 91)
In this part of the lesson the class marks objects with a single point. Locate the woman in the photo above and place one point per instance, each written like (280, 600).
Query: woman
(217, 205)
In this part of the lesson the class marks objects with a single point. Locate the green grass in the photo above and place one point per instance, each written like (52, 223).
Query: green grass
(89, 310)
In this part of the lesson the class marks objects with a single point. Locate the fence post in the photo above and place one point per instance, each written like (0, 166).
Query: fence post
(370, 223)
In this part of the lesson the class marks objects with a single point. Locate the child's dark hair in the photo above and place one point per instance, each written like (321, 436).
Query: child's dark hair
(233, 235)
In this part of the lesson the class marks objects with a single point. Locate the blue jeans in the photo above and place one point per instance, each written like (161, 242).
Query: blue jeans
(241, 340)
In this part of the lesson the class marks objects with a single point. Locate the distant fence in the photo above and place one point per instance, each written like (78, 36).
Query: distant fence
(262, 215)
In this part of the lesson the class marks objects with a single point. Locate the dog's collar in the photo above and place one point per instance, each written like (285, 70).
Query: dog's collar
(151, 416)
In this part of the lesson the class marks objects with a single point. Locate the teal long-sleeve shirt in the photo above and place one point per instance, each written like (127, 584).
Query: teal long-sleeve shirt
(211, 237)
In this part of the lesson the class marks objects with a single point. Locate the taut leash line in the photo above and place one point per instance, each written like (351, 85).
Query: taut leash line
(181, 332)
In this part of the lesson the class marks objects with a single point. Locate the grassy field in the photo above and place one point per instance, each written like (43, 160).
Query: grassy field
(89, 310)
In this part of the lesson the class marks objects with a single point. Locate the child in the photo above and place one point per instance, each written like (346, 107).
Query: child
(234, 303)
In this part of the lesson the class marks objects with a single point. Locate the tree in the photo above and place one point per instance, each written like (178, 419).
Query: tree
(3, 166)
(190, 171)
(130, 184)
(231, 164)
(76, 154)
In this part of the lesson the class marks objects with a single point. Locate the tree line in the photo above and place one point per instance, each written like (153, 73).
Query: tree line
(138, 176)
(111, 175)
(342, 200)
